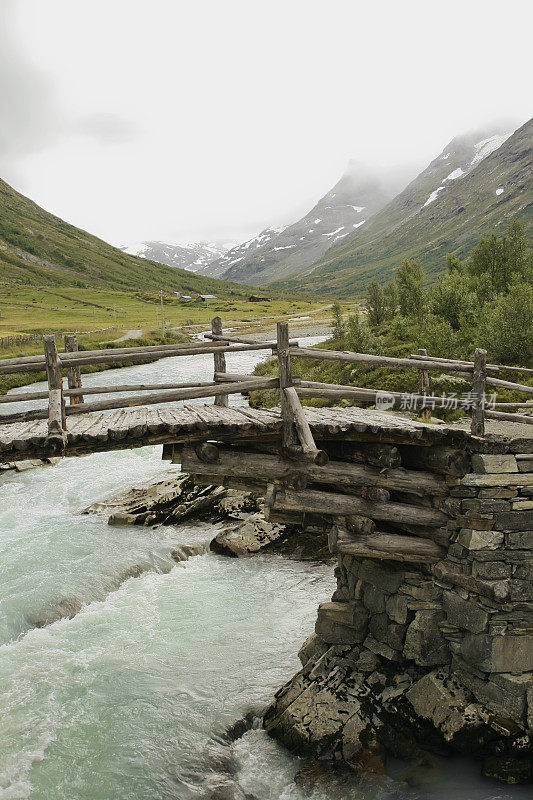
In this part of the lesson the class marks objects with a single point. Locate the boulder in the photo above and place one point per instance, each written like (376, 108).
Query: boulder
(246, 536)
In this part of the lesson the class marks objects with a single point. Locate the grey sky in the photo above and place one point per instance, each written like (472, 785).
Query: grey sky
(174, 120)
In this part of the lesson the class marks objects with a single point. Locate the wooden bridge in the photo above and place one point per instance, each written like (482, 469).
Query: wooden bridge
(383, 478)
(149, 413)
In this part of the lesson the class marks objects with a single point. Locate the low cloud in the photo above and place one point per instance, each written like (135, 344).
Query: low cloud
(106, 128)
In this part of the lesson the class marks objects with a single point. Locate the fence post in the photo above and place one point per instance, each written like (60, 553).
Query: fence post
(219, 359)
(285, 379)
(423, 384)
(56, 402)
(477, 427)
(73, 373)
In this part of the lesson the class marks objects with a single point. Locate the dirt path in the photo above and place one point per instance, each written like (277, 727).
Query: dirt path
(134, 333)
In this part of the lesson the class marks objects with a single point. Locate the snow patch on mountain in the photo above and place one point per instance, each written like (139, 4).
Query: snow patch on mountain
(488, 146)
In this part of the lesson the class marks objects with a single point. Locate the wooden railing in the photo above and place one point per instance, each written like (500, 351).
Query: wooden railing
(296, 435)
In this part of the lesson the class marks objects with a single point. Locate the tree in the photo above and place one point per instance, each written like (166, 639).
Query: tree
(410, 287)
(453, 300)
(375, 304)
(390, 299)
(454, 263)
(359, 337)
(339, 329)
(508, 326)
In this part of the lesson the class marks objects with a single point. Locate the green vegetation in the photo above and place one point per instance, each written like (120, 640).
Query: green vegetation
(484, 301)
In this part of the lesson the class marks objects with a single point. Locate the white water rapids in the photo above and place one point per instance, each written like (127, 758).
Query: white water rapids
(129, 697)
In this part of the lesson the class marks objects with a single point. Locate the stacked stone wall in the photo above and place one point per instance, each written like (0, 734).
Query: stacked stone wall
(413, 656)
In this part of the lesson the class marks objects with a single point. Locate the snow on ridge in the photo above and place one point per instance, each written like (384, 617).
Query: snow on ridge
(317, 221)
(358, 209)
(358, 224)
(433, 196)
(443, 158)
(284, 247)
(332, 233)
(499, 190)
(487, 146)
(136, 249)
(457, 173)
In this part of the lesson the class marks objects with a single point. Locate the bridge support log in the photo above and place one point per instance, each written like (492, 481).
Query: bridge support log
(56, 403)
(73, 373)
(261, 467)
(423, 386)
(477, 427)
(445, 460)
(318, 502)
(219, 359)
(308, 447)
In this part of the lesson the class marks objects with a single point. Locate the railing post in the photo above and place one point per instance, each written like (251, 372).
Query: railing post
(57, 422)
(423, 384)
(477, 427)
(219, 359)
(73, 373)
(285, 379)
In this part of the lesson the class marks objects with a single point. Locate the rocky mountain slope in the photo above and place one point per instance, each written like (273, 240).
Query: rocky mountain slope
(195, 257)
(279, 253)
(473, 187)
(41, 249)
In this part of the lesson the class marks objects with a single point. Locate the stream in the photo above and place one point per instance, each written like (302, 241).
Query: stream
(120, 669)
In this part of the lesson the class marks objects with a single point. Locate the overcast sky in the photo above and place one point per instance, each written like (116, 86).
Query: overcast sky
(210, 119)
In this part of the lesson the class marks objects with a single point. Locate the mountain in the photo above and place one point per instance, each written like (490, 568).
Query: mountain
(195, 257)
(472, 188)
(280, 253)
(41, 249)
(242, 253)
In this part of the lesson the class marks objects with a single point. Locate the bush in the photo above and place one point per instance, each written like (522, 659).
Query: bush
(508, 326)
(438, 337)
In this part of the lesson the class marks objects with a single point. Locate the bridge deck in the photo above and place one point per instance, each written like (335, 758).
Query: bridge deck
(137, 427)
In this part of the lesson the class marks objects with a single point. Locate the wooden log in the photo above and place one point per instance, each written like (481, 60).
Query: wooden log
(384, 456)
(490, 367)
(389, 547)
(207, 452)
(423, 386)
(173, 395)
(523, 418)
(288, 434)
(360, 525)
(477, 426)
(270, 496)
(345, 505)
(116, 356)
(519, 387)
(87, 390)
(56, 401)
(444, 460)
(219, 359)
(374, 494)
(246, 340)
(142, 350)
(73, 373)
(211, 390)
(303, 430)
(383, 361)
(258, 466)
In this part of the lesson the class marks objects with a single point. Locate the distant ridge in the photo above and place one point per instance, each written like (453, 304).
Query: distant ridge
(282, 252)
(472, 188)
(195, 257)
(40, 249)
